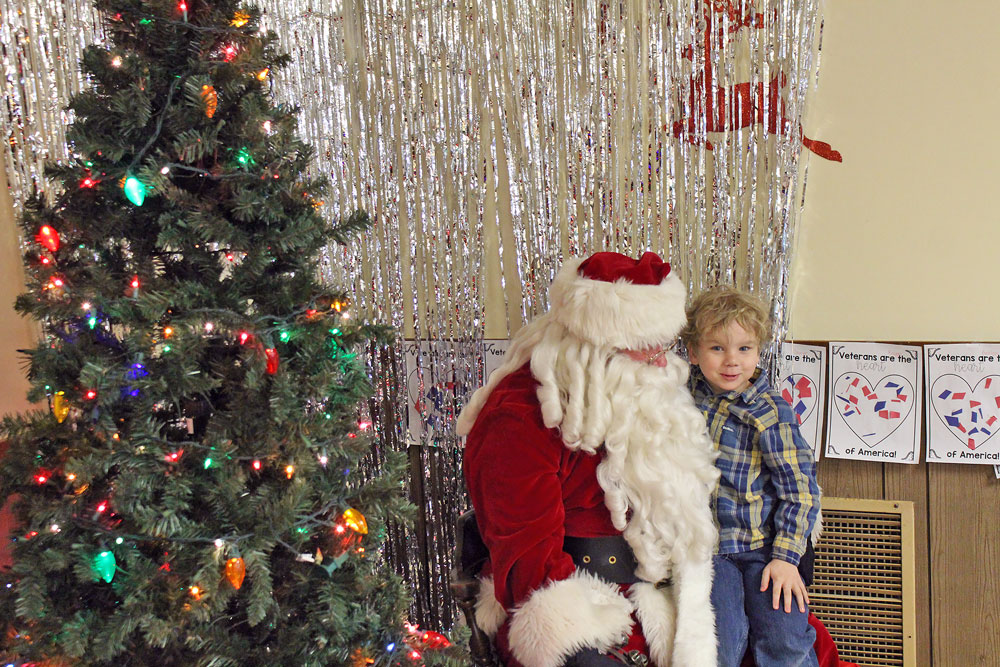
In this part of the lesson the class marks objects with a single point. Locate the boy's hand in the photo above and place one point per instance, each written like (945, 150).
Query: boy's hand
(787, 582)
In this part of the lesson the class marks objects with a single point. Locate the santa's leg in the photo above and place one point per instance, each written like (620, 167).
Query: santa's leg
(694, 644)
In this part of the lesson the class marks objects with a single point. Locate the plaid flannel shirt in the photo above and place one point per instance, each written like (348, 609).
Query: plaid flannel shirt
(767, 492)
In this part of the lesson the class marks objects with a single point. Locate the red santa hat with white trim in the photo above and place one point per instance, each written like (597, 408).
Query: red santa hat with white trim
(615, 300)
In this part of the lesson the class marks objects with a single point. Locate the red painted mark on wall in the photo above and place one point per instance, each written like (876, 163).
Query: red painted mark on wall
(743, 104)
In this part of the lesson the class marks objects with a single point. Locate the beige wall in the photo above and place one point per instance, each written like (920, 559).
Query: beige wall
(15, 332)
(901, 241)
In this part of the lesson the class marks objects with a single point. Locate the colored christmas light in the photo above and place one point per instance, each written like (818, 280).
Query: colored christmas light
(355, 520)
(41, 478)
(90, 394)
(105, 565)
(229, 53)
(262, 75)
(195, 592)
(88, 182)
(235, 571)
(273, 360)
(48, 237)
(135, 191)
(240, 19)
(244, 157)
(289, 471)
(255, 465)
(211, 99)
(116, 61)
(244, 337)
(60, 406)
(168, 332)
(433, 639)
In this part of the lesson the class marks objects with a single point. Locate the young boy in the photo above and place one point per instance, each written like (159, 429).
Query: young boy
(768, 499)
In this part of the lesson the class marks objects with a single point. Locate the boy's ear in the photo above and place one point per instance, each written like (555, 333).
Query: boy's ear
(692, 355)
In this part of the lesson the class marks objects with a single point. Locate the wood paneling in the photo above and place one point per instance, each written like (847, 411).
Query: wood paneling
(851, 479)
(964, 548)
(909, 482)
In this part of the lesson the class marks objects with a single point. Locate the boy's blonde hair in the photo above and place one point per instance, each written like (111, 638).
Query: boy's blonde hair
(717, 307)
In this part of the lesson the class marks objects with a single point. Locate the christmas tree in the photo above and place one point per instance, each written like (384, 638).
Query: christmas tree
(194, 493)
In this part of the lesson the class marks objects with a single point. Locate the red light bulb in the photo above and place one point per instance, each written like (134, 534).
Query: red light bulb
(48, 237)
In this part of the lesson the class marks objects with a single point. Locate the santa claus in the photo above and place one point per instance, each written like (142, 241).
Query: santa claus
(591, 473)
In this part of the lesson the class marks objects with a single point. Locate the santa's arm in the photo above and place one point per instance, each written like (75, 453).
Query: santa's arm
(512, 465)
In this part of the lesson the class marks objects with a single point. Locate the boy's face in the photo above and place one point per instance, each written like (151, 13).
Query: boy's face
(728, 357)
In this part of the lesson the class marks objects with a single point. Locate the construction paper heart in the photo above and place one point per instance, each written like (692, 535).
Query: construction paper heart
(971, 415)
(873, 411)
(799, 391)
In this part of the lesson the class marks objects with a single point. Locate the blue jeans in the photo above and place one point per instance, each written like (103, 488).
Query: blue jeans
(745, 616)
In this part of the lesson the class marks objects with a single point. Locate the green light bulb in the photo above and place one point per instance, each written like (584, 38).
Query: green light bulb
(105, 565)
(135, 191)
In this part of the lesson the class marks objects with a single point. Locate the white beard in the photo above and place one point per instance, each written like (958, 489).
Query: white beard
(658, 473)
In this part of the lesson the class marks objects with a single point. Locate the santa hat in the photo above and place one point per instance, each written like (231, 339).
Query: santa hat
(615, 300)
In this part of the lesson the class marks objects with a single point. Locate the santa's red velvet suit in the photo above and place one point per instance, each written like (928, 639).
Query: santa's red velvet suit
(576, 437)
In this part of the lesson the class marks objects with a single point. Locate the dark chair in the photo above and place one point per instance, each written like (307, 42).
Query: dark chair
(470, 554)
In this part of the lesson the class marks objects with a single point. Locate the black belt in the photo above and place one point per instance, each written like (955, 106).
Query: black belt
(610, 558)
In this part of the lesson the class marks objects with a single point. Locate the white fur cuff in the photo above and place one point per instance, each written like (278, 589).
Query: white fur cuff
(583, 611)
(490, 614)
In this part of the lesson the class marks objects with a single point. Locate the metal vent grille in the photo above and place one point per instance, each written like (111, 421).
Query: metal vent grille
(864, 580)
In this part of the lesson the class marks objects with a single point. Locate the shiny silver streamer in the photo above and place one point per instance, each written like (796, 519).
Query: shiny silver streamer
(498, 138)
(41, 44)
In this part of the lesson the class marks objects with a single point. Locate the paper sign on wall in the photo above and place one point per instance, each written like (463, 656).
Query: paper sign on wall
(801, 381)
(873, 409)
(494, 350)
(963, 403)
(435, 389)
(439, 380)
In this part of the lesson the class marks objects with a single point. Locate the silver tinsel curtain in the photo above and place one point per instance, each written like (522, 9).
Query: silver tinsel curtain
(490, 140)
